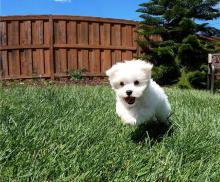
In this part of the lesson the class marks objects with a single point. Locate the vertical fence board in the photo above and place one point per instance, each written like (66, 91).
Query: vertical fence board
(3, 54)
(126, 55)
(83, 55)
(94, 34)
(38, 54)
(71, 32)
(26, 62)
(4, 64)
(37, 32)
(3, 34)
(105, 36)
(60, 32)
(14, 63)
(60, 38)
(106, 61)
(117, 55)
(38, 62)
(52, 64)
(25, 33)
(47, 61)
(116, 40)
(116, 35)
(63, 60)
(25, 55)
(47, 32)
(83, 59)
(94, 55)
(57, 61)
(72, 60)
(94, 61)
(82, 30)
(13, 33)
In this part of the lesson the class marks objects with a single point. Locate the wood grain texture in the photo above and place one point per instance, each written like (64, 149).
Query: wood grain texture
(38, 46)
(3, 33)
(13, 33)
(4, 64)
(72, 63)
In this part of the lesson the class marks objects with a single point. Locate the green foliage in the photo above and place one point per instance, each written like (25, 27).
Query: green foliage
(166, 74)
(165, 55)
(77, 74)
(72, 133)
(174, 21)
(193, 79)
(183, 82)
(197, 79)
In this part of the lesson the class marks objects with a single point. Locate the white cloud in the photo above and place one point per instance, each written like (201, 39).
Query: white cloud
(63, 1)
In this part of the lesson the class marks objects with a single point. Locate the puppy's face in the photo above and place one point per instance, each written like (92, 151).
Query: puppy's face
(129, 80)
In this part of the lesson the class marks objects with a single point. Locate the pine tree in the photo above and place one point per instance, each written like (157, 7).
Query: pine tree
(180, 46)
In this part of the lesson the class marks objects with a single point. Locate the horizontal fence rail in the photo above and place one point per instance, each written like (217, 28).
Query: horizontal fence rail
(53, 46)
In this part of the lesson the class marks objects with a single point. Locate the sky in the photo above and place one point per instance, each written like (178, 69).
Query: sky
(121, 9)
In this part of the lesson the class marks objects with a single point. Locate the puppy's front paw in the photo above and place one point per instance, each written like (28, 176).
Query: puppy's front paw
(131, 121)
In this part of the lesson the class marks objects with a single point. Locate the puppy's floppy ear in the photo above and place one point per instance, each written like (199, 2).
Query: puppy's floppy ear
(147, 67)
(110, 72)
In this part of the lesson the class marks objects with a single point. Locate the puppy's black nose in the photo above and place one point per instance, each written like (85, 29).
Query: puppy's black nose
(129, 92)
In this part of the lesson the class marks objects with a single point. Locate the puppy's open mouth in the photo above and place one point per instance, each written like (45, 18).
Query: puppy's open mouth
(130, 100)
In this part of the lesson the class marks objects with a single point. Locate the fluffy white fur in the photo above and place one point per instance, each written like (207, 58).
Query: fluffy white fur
(147, 102)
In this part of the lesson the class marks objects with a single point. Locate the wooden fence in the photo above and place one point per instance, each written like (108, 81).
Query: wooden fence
(52, 46)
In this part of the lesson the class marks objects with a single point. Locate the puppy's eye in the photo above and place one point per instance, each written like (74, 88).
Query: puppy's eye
(122, 84)
(136, 82)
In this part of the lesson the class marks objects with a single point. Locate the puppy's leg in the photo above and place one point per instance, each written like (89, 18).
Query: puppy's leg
(163, 112)
(125, 116)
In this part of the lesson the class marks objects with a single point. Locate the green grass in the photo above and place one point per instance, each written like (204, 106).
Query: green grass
(73, 134)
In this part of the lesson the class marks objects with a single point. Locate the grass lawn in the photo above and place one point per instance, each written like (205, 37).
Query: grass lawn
(73, 134)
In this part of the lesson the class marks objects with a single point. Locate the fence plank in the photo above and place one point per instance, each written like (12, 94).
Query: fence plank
(4, 63)
(52, 65)
(37, 32)
(71, 32)
(26, 55)
(116, 35)
(3, 34)
(13, 33)
(63, 60)
(38, 62)
(47, 61)
(94, 61)
(14, 63)
(126, 55)
(117, 55)
(94, 34)
(72, 60)
(46, 31)
(26, 62)
(60, 32)
(82, 30)
(38, 54)
(25, 33)
(127, 34)
(57, 61)
(105, 34)
(83, 59)
(106, 60)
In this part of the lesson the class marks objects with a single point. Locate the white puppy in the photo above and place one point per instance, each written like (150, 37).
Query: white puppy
(138, 98)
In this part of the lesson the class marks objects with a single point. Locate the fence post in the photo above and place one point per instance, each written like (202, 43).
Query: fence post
(51, 48)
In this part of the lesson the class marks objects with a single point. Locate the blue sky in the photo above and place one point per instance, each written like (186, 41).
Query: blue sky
(122, 9)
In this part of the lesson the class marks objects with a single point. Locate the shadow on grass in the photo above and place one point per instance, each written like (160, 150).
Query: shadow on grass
(155, 131)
